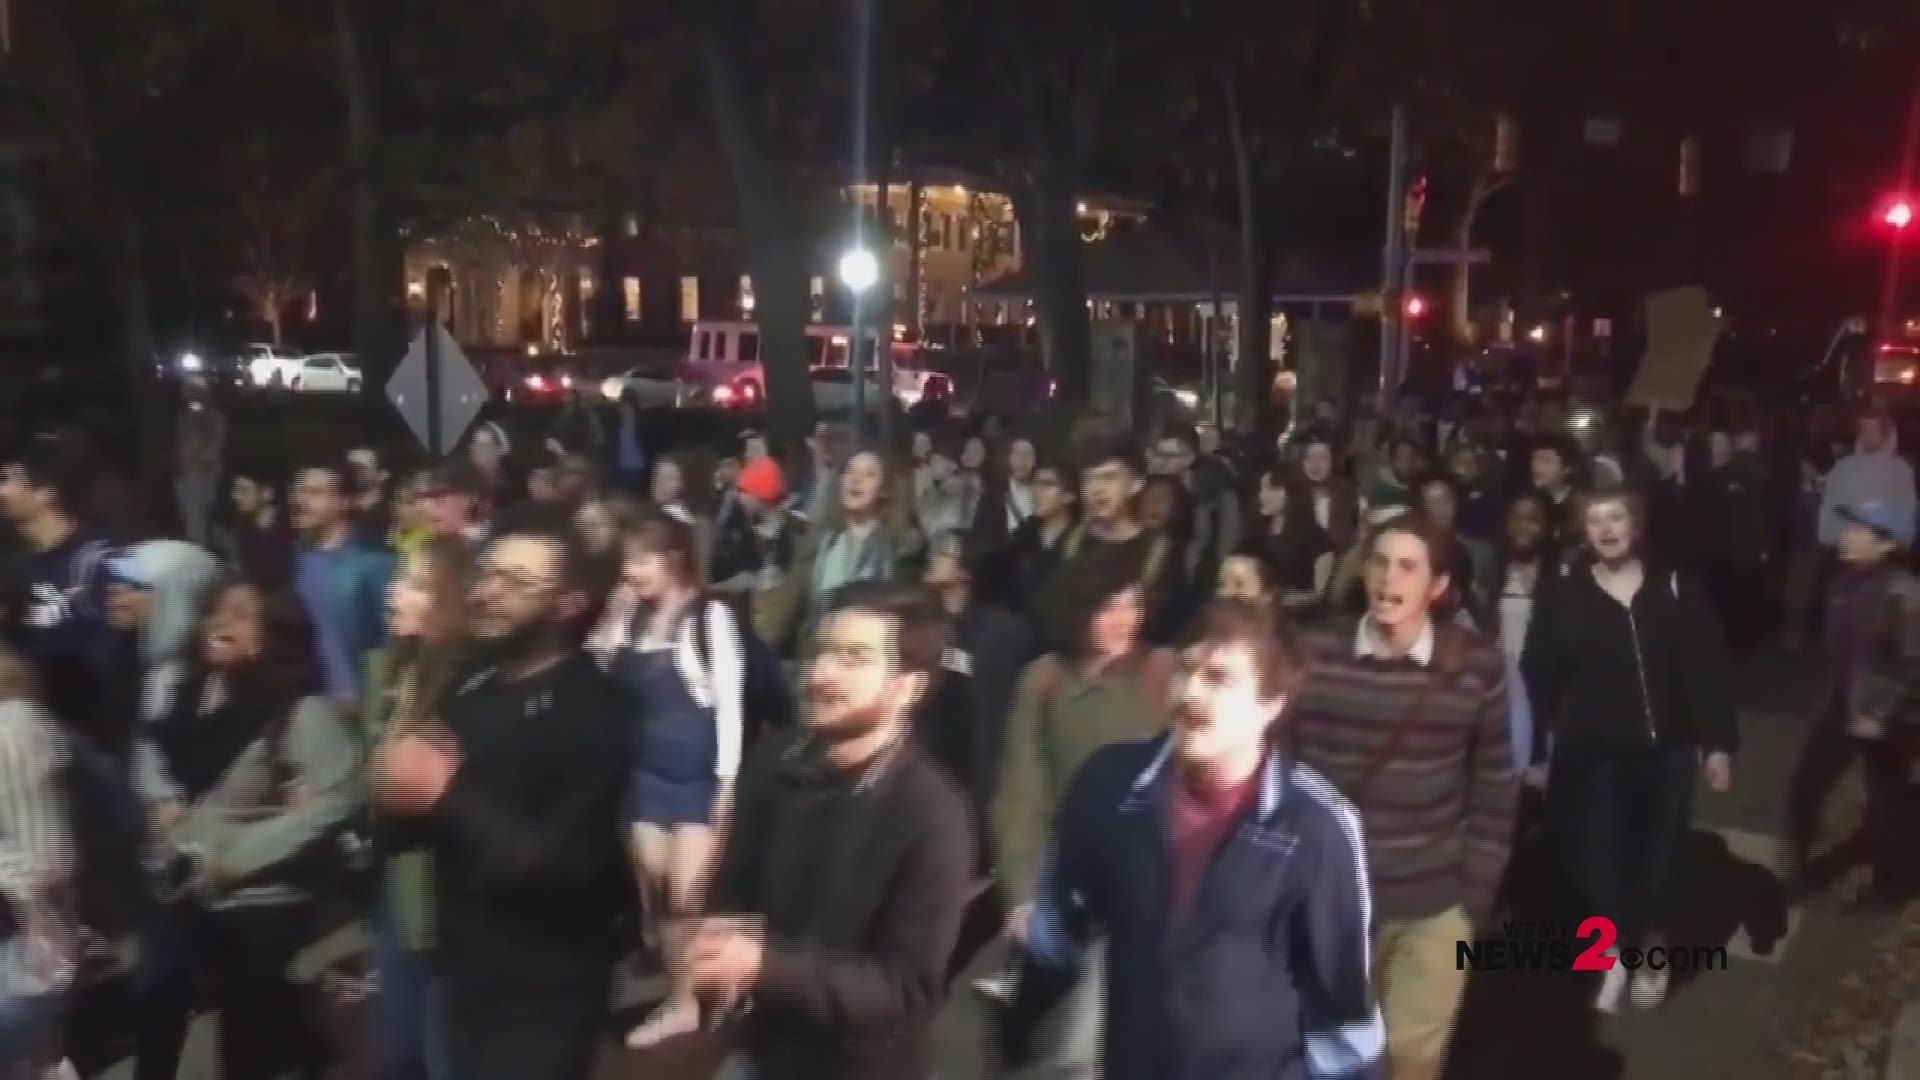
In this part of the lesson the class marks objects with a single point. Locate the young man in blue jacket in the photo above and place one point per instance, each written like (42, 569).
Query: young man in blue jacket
(340, 577)
(1229, 881)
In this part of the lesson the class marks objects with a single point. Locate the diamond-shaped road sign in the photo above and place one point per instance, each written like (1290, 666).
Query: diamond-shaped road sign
(462, 394)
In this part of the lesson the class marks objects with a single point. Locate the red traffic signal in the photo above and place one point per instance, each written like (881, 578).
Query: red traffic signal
(1416, 306)
(1898, 214)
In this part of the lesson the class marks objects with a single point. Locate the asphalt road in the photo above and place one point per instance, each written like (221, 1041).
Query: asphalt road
(1723, 1023)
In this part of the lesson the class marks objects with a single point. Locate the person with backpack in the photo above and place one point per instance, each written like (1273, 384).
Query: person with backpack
(1106, 686)
(680, 656)
(1628, 671)
(256, 775)
(1406, 714)
(39, 940)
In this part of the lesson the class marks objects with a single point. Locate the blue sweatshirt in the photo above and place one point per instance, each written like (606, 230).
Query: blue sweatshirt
(1264, 976)
(344, 591)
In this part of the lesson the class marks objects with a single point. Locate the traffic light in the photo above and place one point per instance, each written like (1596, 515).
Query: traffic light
(1898, 213)
(1416, 306)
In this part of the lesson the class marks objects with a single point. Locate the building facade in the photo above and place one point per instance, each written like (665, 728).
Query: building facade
(558, 281)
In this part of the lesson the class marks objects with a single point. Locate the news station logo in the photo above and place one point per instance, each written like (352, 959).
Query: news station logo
(1593, 945)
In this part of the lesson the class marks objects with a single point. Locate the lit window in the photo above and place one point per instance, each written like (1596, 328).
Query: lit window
(633, 224)
(746, 295)
(689, 299)
(630, 293)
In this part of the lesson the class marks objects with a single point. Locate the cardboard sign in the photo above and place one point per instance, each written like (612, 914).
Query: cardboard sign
(1681, 331)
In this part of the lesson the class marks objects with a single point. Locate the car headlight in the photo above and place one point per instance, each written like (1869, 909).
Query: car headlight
(612, 389)
(191, 363)
(1188, 398)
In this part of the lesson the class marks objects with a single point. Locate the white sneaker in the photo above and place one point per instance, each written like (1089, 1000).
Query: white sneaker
(1612, 981)
(1649, 988)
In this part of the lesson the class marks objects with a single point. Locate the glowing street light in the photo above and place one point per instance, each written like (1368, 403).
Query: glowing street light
(1538, 334)
(859, 270)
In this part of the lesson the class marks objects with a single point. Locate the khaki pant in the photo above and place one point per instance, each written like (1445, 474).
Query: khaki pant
(1420, 988)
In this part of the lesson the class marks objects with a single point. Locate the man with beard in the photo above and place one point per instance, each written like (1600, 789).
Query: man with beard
(1218, 872)
(839, 896)
(518, 800)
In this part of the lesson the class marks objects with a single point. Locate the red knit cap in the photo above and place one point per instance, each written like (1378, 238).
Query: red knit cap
(763, 480)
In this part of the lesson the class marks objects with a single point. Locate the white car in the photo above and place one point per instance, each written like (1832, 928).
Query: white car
(656, 382)
(325, 371)
(267, 365)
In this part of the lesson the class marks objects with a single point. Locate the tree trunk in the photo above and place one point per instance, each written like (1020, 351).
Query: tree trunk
(779, 273)
(1253, 368)
(1052, 228)
(53, 72)
(371, 285)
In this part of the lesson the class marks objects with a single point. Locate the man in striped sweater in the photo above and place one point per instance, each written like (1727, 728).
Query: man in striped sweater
(1407, 715)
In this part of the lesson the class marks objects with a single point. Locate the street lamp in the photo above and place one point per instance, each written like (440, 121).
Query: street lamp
(859, 270)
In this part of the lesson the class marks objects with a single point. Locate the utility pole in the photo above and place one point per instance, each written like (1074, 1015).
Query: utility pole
(1393, 263)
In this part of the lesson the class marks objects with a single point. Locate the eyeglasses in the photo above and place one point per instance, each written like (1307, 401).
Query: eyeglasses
(515, 580)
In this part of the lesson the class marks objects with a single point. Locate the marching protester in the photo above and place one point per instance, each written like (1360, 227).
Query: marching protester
(58, 615)
(1191, 853)
(861, 544)
(838, 896)
(1628, 672)
(1336, 506)
(516, 796)
(200, 447)
(1007, 500)
(372, 494)
(340, 578)
(1021, 569)
(1101, 685)
(1407, 715)
(255, 537)
(678, 653)
(39, 928)
(155, 591)
(1297, 546)
(247, 776)
(1873, 473)
(425, 629)
(1873, 651)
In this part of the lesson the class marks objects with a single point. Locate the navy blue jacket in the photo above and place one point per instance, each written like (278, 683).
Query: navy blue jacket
(1265, 976)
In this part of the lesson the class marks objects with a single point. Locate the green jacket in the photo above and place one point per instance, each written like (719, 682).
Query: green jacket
(1059, 718)
(406, 877)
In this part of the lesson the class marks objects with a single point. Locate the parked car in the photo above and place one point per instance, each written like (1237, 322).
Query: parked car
(335, 372)
(654, 382)
(268, 365)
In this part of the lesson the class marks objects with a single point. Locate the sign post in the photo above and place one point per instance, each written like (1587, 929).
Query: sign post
(435, 390)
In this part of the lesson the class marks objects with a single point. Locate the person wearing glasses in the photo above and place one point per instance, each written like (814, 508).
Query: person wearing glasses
(514, 788)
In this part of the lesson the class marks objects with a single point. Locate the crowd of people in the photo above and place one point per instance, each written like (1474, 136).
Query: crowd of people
(1224, 742)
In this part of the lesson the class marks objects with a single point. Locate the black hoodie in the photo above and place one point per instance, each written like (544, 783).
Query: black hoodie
(1602, 674)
